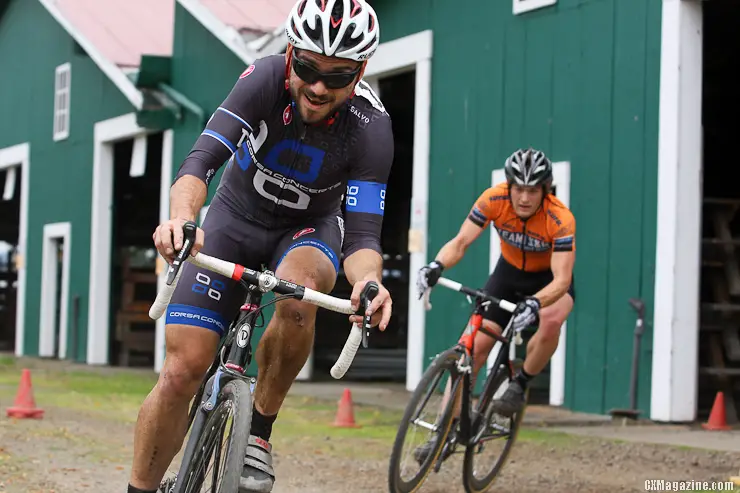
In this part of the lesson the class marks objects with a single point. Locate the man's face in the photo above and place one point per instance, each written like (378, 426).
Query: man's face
(316, 90)
(525, 200)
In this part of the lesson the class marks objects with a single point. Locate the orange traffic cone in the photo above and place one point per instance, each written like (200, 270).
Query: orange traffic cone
(717, 420)
(345, 415)
(25, 405)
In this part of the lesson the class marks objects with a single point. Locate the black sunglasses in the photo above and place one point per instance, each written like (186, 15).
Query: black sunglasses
(310, 75)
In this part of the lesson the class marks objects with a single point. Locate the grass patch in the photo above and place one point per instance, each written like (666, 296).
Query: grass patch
(108, 393)
(307, 423)
(537, 435)
(303, 422)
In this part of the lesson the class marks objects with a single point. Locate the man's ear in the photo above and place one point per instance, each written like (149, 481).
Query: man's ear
(288, 60)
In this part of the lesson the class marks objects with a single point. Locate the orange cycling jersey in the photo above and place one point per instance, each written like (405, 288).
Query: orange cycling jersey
(527, 245)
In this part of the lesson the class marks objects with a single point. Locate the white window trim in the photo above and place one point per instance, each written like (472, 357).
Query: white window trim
(413, 52)
(47, 311)
(521, 6)
(20, 155)
(61, 132)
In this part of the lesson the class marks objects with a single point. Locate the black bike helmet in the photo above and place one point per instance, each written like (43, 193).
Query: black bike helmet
(528, 168)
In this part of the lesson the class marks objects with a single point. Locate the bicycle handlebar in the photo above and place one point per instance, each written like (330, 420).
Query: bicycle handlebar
(267, 281)
(503, 304)
(456, 286)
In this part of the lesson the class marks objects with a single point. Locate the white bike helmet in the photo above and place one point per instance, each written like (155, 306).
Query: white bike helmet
(339, 28)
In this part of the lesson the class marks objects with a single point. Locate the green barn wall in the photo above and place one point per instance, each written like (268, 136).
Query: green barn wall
(579, 80)
(205, 70)
(32, 45)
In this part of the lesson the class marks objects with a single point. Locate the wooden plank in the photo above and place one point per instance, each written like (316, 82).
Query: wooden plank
(722, 221)
(720, 372)
(731, 341)
(721, 307)
(729, 325)
(140, 277)
(721, 201)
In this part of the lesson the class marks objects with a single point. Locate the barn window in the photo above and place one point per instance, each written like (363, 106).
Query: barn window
(521, 6)
(62, 86)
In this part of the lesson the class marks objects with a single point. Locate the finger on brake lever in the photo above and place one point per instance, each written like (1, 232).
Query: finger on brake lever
(189, 229)
(426, 297)
(370, 291)
(518, 338)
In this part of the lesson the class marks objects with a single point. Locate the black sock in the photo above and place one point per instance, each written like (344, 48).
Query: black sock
(262, 425)
(523, 378)
(133, 489)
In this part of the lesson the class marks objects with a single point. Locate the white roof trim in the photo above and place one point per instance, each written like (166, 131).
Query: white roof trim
(271, 43)
(226, 34)
(114, 73)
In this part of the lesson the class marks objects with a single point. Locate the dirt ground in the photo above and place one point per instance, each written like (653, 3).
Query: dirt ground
(73, 450)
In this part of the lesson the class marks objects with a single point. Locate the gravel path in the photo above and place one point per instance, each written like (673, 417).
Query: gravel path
(46, 456)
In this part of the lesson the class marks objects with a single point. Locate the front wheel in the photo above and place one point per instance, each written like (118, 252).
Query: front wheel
(427, 398)
(214, 459)
(485, 457)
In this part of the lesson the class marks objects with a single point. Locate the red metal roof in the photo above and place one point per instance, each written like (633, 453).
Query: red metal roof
(123, 30)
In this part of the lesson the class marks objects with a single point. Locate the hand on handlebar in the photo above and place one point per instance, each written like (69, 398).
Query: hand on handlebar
(380, 308)
(526, 314)
(428, 277)
(173, 229)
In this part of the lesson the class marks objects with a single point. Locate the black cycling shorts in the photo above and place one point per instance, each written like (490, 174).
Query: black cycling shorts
(205, 299)
(511, 284)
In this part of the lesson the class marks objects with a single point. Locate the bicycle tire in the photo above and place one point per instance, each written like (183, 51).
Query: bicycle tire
(470, 482)
(236, 395)
(443, 362)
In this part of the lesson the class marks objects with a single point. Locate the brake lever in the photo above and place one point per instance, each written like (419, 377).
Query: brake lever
(189, 229)
(369, 292)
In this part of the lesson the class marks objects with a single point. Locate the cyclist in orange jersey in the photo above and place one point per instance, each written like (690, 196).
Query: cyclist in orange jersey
(535, 270)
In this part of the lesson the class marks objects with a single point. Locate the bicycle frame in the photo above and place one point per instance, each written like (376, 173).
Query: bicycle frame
(471, 417)
(239, 358)
(222, 371)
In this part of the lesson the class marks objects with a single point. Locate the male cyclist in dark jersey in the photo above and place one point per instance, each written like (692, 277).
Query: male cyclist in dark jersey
(300, 131)
(535, 269)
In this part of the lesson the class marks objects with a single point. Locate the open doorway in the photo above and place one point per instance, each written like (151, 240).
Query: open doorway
(135, 215)
(719, 336)
(10, 201)
(385, 358)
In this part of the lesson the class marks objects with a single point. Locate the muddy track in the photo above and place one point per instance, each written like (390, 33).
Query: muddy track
(68, 452)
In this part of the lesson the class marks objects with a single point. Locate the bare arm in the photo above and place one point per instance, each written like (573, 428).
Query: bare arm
(562, 271)
(187, 197)
(454, 250)
(363, 265)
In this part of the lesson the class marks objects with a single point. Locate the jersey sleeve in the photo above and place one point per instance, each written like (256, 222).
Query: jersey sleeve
(368, 177)
(249, 102)
(563, 232)
(487, 207)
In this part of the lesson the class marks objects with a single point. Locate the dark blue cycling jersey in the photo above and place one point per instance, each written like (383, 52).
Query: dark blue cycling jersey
(281, 171)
